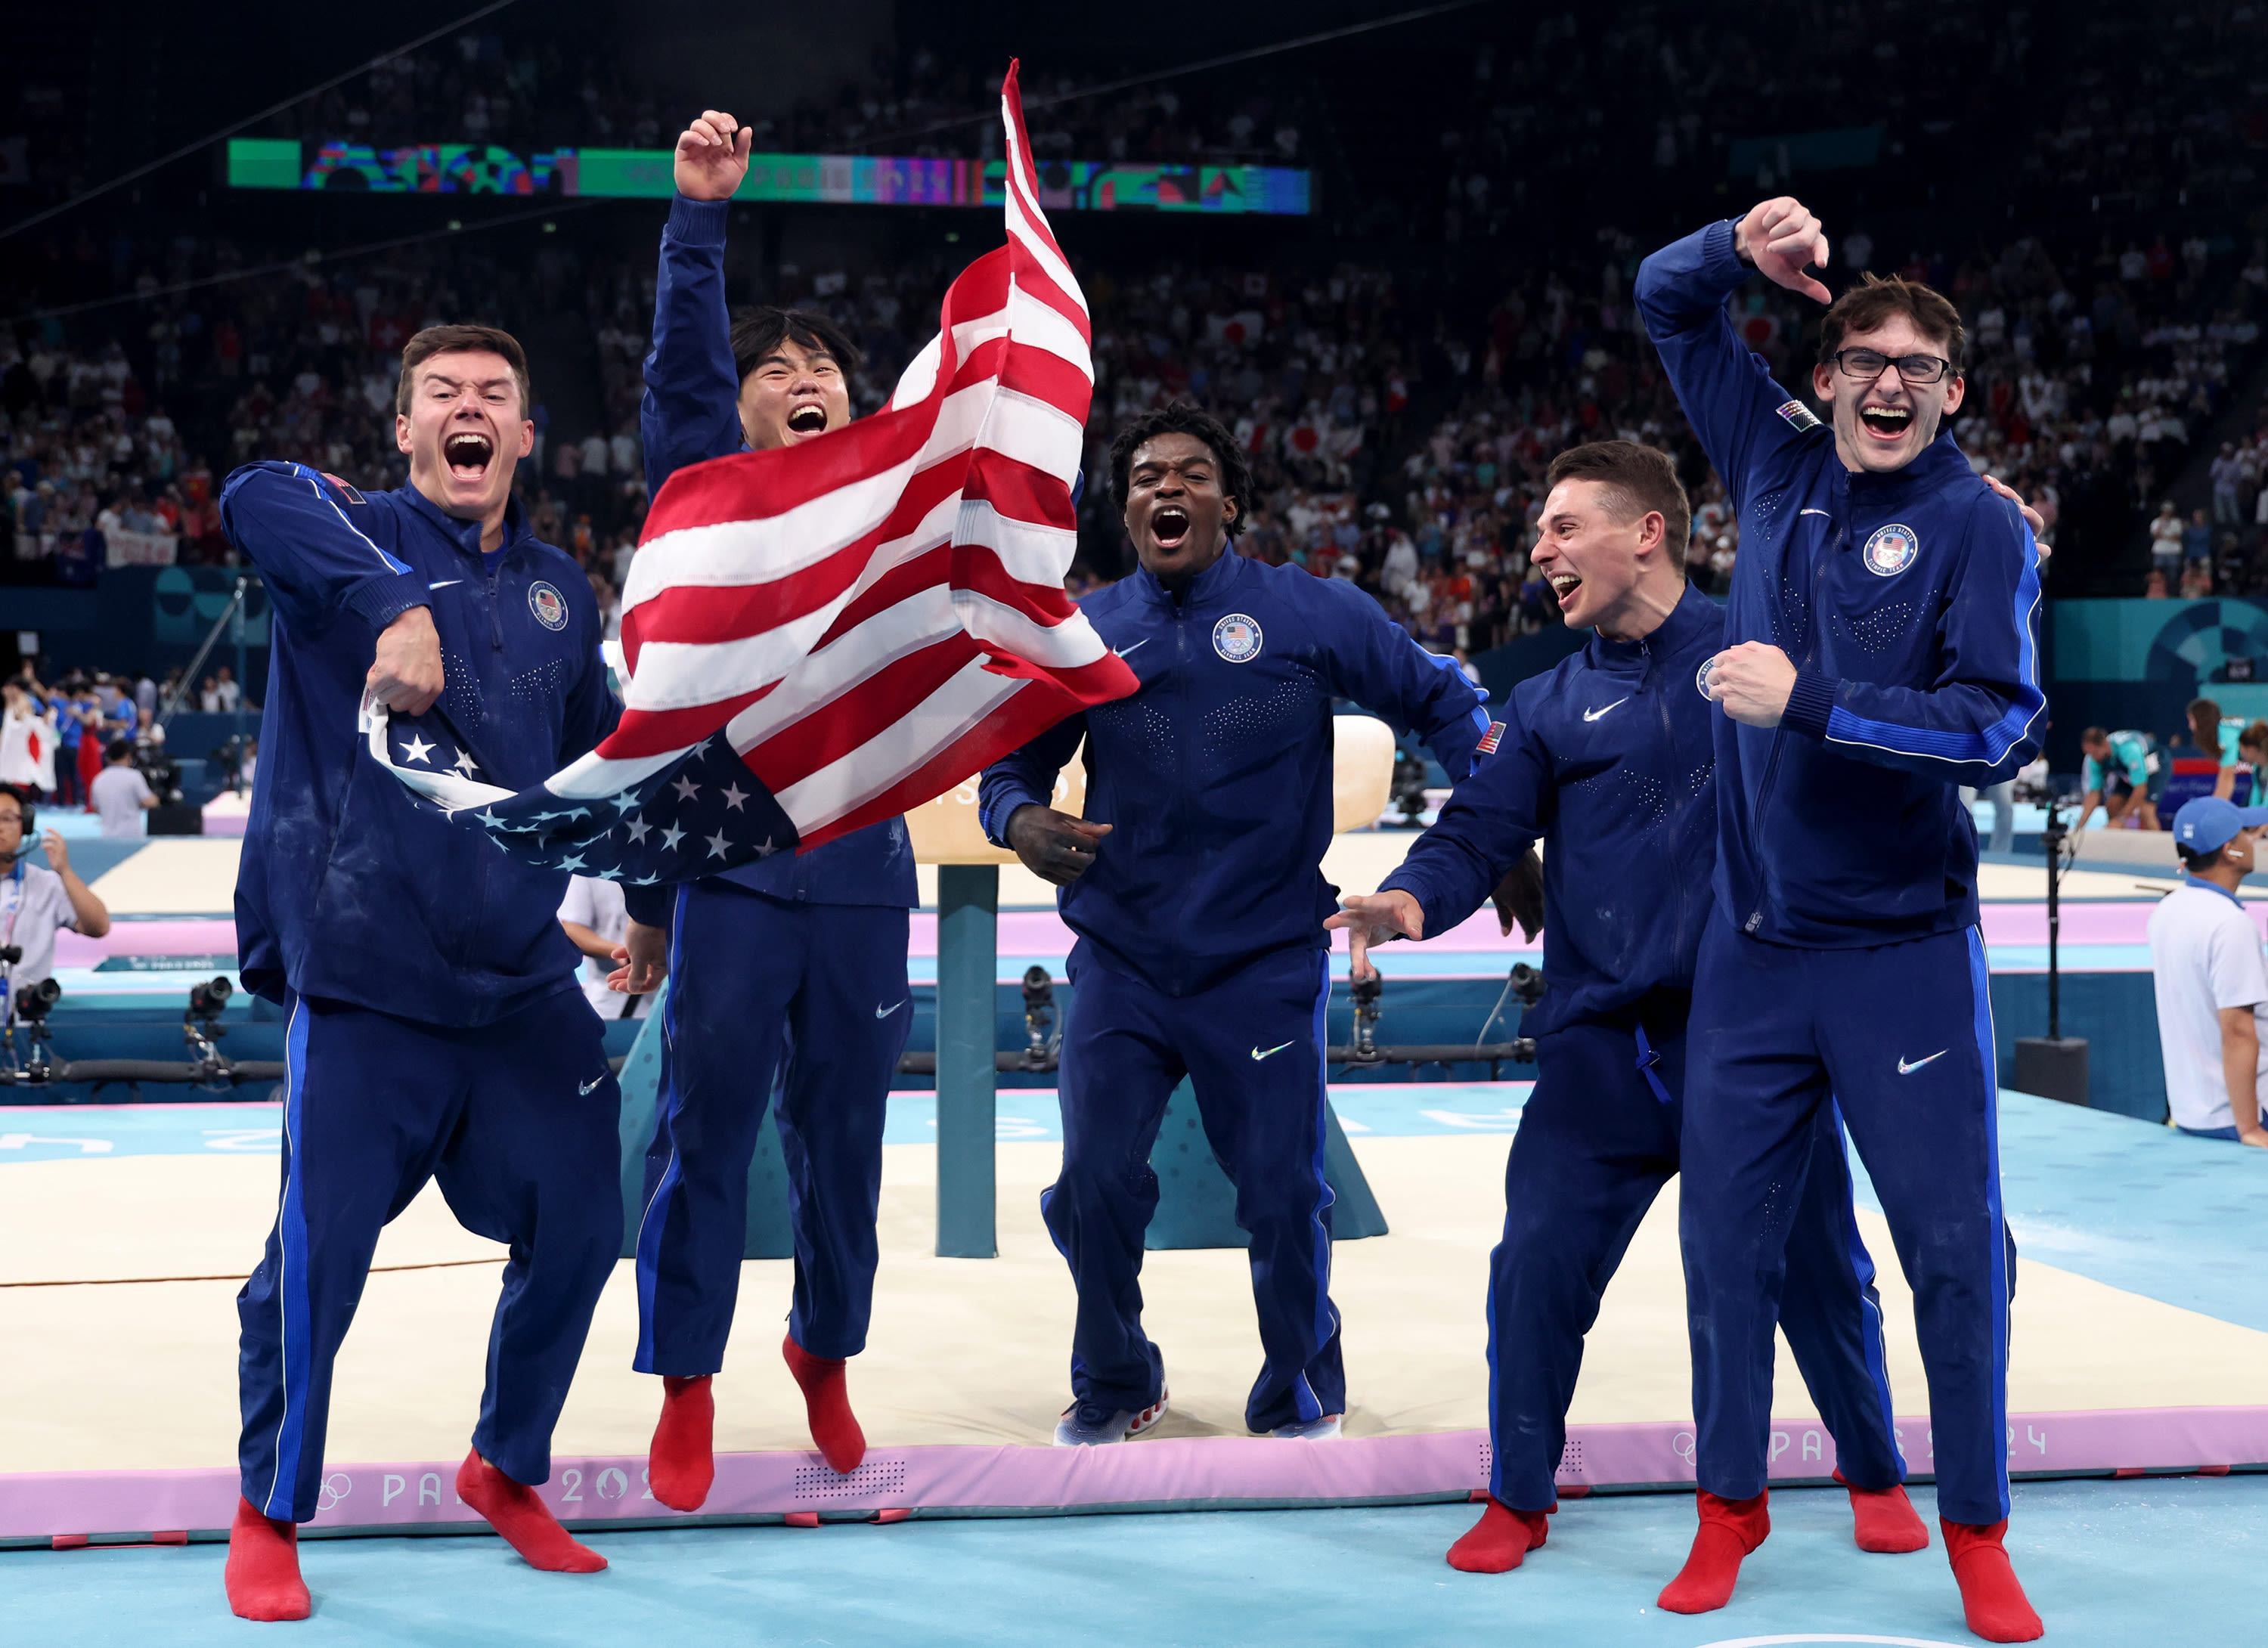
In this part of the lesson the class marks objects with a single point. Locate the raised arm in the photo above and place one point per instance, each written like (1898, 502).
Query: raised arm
(1740, 413)
(691, 409)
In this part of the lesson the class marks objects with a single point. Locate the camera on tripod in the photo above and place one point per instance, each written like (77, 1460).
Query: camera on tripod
(201, 1027)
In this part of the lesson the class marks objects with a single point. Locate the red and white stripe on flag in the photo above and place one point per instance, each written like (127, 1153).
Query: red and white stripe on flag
(877, 613)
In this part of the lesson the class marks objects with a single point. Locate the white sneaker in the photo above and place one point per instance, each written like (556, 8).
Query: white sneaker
(1089, 1424)
(1323, 1430)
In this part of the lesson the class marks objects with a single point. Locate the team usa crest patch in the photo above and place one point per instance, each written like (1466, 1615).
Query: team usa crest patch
(1799, 417)
(548, 605)
(1237, 638)
(1892, 550)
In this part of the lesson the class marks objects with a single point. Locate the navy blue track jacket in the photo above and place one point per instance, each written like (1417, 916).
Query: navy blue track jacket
(692, 413)
(1216, 775)
(1611, 756)
(1909, 603)
(351, 889)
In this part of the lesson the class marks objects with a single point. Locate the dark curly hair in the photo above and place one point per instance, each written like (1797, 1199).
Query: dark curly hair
(1181, 418)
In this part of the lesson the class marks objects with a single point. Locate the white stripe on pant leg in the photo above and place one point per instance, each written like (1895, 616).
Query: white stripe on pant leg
(293, 1080)
(1980, 982)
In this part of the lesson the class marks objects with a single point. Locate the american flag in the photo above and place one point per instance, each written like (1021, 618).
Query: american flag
(820, 636)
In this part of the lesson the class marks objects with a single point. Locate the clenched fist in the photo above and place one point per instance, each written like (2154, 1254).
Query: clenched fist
(405, 674)
(1752, 680)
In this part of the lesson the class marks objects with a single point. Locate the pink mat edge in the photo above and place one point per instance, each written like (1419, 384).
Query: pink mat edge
(1164, 1474)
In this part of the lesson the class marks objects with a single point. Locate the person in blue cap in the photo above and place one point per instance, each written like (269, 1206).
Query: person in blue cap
(2211, 977)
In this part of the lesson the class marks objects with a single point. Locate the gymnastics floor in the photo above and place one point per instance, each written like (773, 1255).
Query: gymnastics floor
(2139, 1342)
(2166, 1563)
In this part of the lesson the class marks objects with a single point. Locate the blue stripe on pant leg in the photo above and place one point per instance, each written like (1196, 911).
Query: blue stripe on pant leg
(1980, 982)
(1327, 1321)
(295, 1337)
(647, 1266)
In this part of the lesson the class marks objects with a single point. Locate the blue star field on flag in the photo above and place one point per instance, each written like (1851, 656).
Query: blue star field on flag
(701, 814)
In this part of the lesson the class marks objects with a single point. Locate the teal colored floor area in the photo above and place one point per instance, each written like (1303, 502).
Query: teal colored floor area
(2165, 1562)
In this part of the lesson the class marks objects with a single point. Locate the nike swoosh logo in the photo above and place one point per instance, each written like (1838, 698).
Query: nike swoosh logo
(1905, 1069)
(1130, 650)
(884, 1013)
(1823, 514)
(1593, 715)
(1258, 1054)
(444, 583)
(589, 1084)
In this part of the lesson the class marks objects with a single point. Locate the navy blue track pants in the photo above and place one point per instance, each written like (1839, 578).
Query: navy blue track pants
(1902, 1036)
(1598, 1140)
(517, 1119)
(1252, 1047)
(757, 982)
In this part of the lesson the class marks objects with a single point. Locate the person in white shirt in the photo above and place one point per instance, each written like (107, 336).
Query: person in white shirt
(2211, 977)
(121, 794)
(594, 919)
(37, 902)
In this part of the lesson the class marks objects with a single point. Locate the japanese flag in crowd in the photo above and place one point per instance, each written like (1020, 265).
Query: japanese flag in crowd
(821, 636)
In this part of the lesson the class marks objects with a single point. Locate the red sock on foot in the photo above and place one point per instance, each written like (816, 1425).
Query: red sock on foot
(1729, 1530)
(262, 1575)
(1992, 1596)
(1500, 1540)
(682, 1466)
(1883, 1519)
(525, 1521)
(827, 1400)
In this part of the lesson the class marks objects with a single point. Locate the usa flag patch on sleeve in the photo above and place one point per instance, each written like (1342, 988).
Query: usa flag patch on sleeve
(1490, 740)
(1799, 417)
(345, 490)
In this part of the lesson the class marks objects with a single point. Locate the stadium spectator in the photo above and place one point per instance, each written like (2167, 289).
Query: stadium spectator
(2211, 978)
(28, 739)
(2197, 541)
(36, 901)
(121, 795)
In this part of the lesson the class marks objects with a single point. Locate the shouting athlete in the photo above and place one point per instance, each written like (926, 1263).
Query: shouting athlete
(1880, 652)
(433, 1024)
(796, 959)
(1610, 757)
(1195, 887)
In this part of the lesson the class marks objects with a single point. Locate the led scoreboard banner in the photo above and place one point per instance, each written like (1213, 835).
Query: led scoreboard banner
(468, 168)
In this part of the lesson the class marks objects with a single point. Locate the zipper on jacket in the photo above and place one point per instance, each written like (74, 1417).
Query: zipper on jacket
(1649, 680)
(1811, 627)
(496, 612)
(1181, 608)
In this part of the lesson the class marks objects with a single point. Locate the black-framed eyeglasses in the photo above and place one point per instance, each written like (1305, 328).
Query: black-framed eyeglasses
(1867, 363)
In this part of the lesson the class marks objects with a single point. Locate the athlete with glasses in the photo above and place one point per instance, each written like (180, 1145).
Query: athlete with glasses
(1881, 651)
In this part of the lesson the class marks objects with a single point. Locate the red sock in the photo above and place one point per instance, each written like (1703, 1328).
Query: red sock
(827, 1400)
(1500, 1540)
(525, 1521)
(683, 1464)
(1884, 1520)
(1729, 1530)
(1992, 1596)
(262, 1575)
